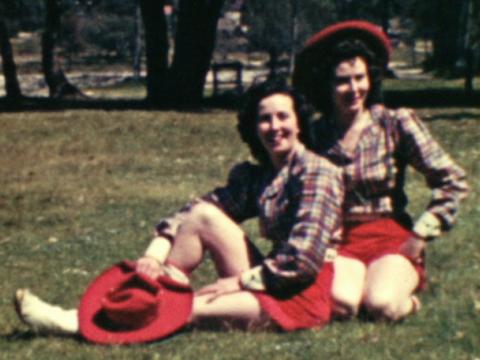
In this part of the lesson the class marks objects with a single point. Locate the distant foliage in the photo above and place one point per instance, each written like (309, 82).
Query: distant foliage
(23, 15)
(269, 24)
(102, 29)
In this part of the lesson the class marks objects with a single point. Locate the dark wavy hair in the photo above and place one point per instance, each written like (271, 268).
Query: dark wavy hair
(248, 115)
(324, 72)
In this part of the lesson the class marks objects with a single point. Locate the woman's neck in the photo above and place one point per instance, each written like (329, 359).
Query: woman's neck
(352, 129)
(280, 160)
(346, 121)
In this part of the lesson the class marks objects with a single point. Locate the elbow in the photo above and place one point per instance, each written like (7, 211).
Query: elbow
(287, 283)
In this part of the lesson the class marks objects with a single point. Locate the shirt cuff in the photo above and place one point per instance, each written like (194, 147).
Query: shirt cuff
(159, 249)
(428, 226)
(252, 279)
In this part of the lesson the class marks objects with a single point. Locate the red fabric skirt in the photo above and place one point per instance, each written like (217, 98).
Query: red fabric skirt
(370, 241)
(310, 308)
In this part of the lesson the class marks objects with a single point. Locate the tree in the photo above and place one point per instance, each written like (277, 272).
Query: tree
(270, 26)
(448, 23)
(281, 26)
(156, 45)
(195, 37)
(181, 83)
(12, 88)
(471, 40)
(57, 82)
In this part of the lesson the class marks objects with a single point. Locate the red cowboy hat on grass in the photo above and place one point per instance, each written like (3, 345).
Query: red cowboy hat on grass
(122, 306)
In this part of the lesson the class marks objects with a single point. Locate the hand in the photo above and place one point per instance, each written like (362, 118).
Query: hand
(414, 248)
(220, 287)
(150, 267)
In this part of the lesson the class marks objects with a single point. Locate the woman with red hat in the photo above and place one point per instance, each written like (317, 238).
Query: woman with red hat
(297, 196)
(381, 260)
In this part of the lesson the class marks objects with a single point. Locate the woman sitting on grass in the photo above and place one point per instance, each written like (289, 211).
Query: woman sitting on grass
(381, 262)
(297, 197)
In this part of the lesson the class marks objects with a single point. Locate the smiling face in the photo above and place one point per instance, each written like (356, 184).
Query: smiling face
(351, 85)
(277, 127)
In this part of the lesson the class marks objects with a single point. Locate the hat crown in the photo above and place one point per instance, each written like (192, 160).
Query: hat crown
(123, 306)
(132, 308)
(371, 34)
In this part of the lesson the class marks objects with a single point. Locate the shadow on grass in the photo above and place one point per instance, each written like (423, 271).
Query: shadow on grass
(432, 98)
(463, 115)
(29, 335)
(393, 98)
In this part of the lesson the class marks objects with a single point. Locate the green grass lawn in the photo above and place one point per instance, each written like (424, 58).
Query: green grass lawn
(81, 190)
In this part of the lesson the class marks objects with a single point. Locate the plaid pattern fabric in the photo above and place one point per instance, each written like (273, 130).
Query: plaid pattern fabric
(375, 172)
(299, 209)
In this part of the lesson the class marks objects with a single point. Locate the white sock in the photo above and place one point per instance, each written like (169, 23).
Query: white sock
(44, 317)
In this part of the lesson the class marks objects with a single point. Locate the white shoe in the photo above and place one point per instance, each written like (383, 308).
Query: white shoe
(43, 317)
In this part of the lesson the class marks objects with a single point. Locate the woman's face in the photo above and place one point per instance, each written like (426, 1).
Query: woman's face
(277, 126)
(351, 85)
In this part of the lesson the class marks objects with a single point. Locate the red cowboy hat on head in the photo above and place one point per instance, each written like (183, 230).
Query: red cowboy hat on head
(371, 34)
(319, 45)
(122, 306)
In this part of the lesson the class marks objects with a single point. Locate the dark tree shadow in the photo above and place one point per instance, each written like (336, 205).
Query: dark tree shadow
(462, 115)
(393, 98)
(432, 98)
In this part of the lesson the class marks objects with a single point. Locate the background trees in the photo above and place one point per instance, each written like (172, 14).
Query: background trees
(179, 36)
(12, 87)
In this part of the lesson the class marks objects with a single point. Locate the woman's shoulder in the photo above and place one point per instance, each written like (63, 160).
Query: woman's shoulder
(312, 161)
(245, 168)
(401, 120)
(397, 114)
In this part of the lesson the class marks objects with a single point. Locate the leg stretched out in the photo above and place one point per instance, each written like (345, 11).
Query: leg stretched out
(206, 228)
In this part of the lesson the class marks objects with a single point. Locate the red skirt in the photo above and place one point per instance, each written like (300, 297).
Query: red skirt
(370, 241)
(310, 308)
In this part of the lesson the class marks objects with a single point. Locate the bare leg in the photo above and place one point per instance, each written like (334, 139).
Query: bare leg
(239, 307)
(44, 317)
(208, 228)
(390, 283)
(347, 287)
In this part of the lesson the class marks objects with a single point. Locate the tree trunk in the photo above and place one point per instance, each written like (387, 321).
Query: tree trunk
(12, 88)
(194, 45)
(446, 49)
(293, 34)
(468, 46)
(57, 82)
(156, 46)
(137, 43)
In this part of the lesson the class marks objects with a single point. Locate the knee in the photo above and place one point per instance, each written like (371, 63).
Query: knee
(203, 213)
(346, 304)
(345, 311)
(199, 217)
(383, 304)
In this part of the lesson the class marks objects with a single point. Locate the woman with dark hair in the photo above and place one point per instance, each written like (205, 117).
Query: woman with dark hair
(297, 196)
(381, 260)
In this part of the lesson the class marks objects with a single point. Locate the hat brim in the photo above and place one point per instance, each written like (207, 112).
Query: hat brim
(174, 310)
(319, 45)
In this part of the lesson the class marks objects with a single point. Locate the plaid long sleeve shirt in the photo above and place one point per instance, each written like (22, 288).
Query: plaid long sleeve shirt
(375, 172)
(299, 210)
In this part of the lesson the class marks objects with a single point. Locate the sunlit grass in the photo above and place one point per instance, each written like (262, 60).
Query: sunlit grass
(429, 84)
(80, 190)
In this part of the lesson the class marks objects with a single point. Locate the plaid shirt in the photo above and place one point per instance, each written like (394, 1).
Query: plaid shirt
(375, 172)
(299, 209)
